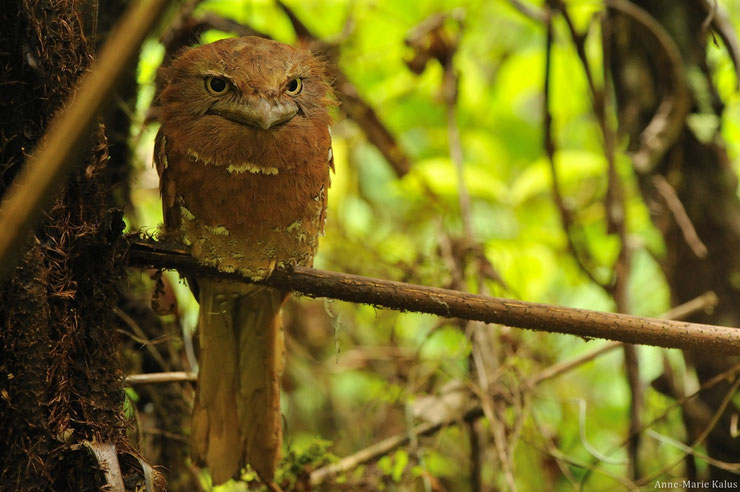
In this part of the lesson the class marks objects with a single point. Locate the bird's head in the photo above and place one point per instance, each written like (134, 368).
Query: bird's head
(244, 99)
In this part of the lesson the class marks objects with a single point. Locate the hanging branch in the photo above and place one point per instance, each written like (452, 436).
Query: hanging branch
(717, 17)
(581, 256)
(453, 304)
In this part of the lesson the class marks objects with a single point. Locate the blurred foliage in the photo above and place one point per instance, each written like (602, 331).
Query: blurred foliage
(355, 372)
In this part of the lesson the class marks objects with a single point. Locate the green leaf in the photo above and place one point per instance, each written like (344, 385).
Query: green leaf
(400, 460)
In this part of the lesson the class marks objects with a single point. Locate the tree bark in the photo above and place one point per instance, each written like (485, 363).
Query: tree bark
(60, 377)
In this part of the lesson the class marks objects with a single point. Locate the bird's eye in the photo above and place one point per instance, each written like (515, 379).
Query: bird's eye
(216, 86)
(294, 87)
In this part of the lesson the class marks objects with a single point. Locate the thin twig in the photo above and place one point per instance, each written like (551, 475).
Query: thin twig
(558, 455)
(668, 193)
(730, 374)
(555, 453)
(143, 338)
(582, 258)
(498, 430)
(450, 89)
(560, 368)
(700, 439)
(595, 453)
(731, 467)
(160, 377)
(454, 304)
(414, 445)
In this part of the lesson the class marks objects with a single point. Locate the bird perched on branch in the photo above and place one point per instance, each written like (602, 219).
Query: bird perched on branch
(243, 155)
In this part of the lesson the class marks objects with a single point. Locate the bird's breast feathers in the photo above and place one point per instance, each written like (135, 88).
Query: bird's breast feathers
(243, 216)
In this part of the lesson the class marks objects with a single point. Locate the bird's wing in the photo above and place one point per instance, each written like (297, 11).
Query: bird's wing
(167, 189)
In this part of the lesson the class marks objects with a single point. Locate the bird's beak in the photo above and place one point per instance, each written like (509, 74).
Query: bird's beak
(262, 114)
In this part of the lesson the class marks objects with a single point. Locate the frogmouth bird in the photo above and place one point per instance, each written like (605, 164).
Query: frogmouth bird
(243, 154)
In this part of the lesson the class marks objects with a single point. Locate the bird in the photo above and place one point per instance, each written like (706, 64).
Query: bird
(244, 156)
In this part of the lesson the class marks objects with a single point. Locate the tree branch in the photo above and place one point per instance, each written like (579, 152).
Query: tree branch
(706, 301)
(683, 221)
(383, 447)
(160, 377)
(454, 304)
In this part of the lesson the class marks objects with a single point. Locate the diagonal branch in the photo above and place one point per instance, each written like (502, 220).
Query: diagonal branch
(702, 436)
(454, 304)
(55, 155)
(683, 221)
(383, 447)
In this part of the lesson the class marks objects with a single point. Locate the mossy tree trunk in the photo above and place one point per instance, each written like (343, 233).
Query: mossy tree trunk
(60, 377)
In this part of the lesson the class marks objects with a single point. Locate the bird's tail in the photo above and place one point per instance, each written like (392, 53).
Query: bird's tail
(236, 416)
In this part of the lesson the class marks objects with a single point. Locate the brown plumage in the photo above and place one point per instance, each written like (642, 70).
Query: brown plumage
(243, 155)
